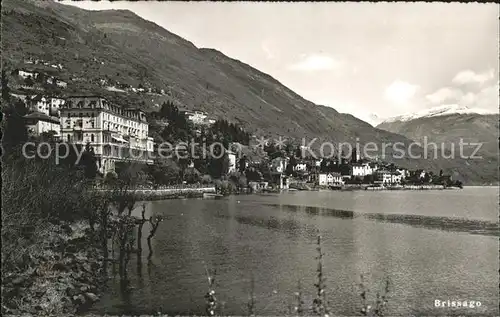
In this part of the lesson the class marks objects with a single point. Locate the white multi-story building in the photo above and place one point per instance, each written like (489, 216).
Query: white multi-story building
(116, 134)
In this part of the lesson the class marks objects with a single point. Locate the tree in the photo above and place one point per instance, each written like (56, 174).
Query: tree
(242, 164)
(13, 124)
(323, 167)
(89, 162)
(164, 172)
(192, 176)
(368, 179)
(5, 88)
(427, 178)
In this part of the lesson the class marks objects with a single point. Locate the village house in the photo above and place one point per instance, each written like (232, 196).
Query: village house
(387, 177)
(360, 170)
(116, 134)
(24, 73)
(279, 164)
(258, 186)
(46, 105)
(404, 172)
(196, 117)
(38, 103)
(232, 161)
(38, 123)
(300, 167)
(61, 83)
(330, 179)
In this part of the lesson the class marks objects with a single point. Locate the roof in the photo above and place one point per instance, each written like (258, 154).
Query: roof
(41, 116)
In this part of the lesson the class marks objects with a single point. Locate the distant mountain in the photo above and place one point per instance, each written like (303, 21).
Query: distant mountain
(101, 51)
(370, 118)
(448, 130)
(443, 110)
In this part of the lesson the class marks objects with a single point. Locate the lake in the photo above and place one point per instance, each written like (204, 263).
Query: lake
(430, 245)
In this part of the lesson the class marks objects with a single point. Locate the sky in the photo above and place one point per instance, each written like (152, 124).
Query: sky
(373, 60)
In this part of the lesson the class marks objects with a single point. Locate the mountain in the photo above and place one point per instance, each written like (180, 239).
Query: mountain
(101, 51)
(447, 130)
(443, 110)
(371, 118)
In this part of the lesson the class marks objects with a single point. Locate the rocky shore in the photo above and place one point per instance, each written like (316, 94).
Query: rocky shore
(62, 276)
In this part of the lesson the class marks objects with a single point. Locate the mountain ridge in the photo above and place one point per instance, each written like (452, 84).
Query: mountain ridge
(442, 110)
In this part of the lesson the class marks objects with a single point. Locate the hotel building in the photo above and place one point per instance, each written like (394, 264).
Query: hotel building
(116, 134)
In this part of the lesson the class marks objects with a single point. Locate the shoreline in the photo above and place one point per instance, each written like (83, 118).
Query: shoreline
(167, 193)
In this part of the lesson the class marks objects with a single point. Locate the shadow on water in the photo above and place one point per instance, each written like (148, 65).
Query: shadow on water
(315, 211)
(470, 226)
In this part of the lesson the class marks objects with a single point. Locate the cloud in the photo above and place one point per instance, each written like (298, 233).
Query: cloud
(483, 96)
(267, 51)
(470, 77)
(400, 92)
(316, 62)
(444, 94)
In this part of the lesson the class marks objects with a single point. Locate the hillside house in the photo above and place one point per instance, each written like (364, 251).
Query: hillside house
(279, 164)
(38, 103)
(38, 123)
(61, 84)
(24, 73)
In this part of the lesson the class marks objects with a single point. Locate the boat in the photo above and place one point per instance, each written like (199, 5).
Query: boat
(212, 196)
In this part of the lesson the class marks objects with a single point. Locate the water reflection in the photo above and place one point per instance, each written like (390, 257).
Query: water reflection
(428, 222)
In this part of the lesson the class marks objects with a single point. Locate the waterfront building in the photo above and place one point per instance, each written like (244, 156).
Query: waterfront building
(115, 133)
(389, 177)
(361, 170)
(327, 179)
(232, 161)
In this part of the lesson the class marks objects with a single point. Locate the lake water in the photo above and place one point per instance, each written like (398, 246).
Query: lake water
(429, 244)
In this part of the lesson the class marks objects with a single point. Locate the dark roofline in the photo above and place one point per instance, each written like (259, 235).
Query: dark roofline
(41, 116)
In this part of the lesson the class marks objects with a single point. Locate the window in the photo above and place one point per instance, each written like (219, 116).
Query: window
(91, 138)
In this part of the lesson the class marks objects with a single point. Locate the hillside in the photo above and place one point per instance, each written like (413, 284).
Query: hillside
(105, 50)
